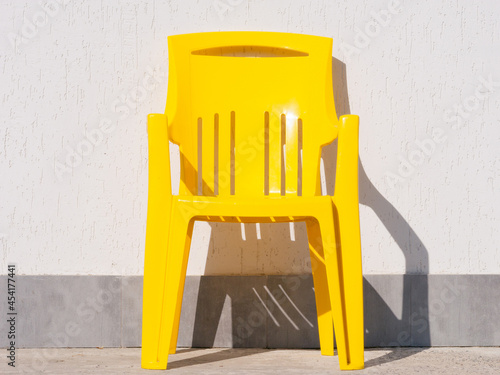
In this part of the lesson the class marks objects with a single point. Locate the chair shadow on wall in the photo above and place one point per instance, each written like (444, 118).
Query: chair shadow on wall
(383, 328)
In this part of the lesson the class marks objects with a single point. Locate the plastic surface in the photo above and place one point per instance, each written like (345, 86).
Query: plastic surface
(250, 112)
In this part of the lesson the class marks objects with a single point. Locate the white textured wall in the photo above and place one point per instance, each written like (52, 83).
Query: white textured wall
(95, 71)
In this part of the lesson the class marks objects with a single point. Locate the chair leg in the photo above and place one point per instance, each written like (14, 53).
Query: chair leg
(323, 308)
(154, 274)
(177, 317)
(345, 282)
(175, 333)
(157, 231)
(164, 274)
(181, 229)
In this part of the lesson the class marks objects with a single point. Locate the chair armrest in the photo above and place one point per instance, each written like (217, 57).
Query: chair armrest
(159, 156)
(346, 179)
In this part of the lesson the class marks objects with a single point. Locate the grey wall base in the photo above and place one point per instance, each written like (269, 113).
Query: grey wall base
(253, 311)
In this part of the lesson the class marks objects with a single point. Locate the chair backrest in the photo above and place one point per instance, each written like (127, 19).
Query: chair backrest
(250, 111)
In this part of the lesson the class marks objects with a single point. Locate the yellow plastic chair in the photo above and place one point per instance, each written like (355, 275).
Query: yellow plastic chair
(250, 112)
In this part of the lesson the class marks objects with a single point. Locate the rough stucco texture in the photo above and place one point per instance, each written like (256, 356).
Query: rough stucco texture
(78, 80)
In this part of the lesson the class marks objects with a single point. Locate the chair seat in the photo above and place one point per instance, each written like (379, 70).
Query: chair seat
(251, 209)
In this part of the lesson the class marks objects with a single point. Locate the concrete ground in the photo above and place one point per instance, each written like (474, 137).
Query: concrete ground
(407, 361)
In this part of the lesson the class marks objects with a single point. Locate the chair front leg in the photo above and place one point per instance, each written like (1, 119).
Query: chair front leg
(348, 243)
(157, 229)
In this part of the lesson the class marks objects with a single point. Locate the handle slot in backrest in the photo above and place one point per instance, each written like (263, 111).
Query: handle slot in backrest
(249, 51)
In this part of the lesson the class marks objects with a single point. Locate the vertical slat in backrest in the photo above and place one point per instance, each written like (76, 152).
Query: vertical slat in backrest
(291, 153)
(250, 126)
(274, 143)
